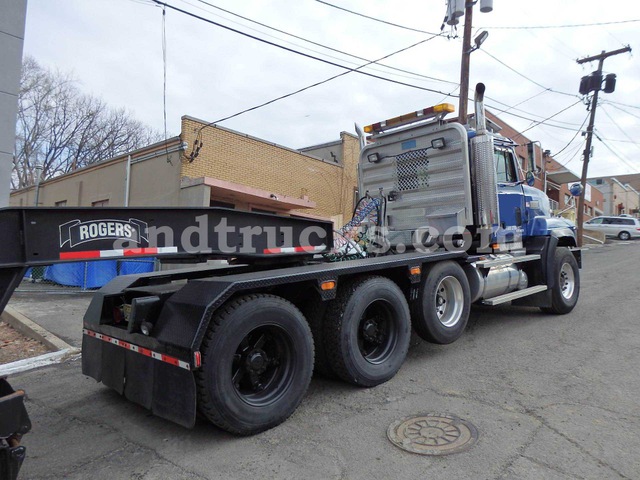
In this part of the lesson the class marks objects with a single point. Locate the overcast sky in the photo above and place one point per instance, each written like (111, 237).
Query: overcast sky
(114, 49)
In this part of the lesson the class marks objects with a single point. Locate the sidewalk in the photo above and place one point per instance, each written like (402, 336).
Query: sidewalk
(60, 314)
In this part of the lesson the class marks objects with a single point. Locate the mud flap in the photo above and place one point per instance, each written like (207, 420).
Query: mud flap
(167, 390)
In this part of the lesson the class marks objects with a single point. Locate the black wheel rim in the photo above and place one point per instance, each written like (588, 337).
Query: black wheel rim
(377, 332)
(263, 366)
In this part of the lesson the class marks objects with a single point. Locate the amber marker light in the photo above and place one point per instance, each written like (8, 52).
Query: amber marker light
(328, 285)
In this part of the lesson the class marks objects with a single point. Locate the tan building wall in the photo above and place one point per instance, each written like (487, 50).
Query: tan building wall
(234, 157)
(231, 168)
(154, 181)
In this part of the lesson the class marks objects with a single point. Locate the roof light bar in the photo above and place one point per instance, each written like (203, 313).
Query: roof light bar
(439, 110)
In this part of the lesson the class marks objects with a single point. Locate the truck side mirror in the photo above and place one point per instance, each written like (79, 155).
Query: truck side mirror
(530, 178)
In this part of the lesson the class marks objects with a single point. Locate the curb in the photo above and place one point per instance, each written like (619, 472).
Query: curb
(27, 327)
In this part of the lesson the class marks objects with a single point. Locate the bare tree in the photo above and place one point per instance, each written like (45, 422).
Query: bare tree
(63, 129)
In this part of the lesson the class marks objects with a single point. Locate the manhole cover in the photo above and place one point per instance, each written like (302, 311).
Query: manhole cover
(433, 434)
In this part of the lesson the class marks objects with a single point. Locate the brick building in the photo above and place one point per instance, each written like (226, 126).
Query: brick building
(232, 169)
(621, 194)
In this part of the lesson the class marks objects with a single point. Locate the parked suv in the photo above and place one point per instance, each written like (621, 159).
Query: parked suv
(623, 227)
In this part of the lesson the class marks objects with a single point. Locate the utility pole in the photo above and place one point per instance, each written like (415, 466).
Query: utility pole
(596, 86)
(465, 64)
(453, 13)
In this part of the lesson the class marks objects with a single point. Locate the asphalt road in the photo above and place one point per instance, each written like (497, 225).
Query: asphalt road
(552, 397)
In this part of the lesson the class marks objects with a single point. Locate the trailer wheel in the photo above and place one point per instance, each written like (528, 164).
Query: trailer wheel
(566, 288)
(257, 362)
(315, 311)
(441, 311)
(367, 331)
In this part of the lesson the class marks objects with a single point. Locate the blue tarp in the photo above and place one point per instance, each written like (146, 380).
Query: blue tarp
(136, 266)
(83, 274)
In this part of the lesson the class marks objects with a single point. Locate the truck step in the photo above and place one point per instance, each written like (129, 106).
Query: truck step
(503, 262)
(507, 297)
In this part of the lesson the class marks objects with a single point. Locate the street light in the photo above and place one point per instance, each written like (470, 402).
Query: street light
(479, 40)
(454, 13)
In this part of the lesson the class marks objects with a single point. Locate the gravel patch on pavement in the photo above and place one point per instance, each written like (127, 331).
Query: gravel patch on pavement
(15, 346)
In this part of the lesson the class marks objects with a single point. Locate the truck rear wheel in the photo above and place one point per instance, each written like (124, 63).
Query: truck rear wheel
(566, 288)
(441, 311)
(367, 331)
(257, 362)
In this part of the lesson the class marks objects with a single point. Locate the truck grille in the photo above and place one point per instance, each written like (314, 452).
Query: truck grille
(412, 170)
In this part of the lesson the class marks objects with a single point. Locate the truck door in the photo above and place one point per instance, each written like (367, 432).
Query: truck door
(510, 193)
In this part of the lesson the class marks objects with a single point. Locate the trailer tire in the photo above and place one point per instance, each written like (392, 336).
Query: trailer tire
(315, 311)
(441, 311)
(566, 288)
(257, 362)
(367, 331)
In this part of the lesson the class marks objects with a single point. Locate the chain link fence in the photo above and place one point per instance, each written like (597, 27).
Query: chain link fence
(82, 276)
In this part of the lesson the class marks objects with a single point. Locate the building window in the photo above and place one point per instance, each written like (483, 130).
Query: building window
(260, 210)
(599, 181)
(217, 203)
(567, 198)
(100, 203)
(61, 203)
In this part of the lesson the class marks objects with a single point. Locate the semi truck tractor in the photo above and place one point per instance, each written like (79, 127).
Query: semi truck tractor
(447, 219)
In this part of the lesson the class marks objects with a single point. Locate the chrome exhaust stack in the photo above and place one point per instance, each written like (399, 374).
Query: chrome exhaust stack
(484, 171)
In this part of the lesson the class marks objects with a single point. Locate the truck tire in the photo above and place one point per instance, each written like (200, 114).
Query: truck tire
(441, 311)
(566, 289)
(367, 331)
(257, 362)
(315, 311)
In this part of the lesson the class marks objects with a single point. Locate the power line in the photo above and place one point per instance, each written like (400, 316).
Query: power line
(523, 101)
(621, 109)
(574, 137)
(548, 118)
(575, 25)
(322, 45)
(375, 19)
(291, 50)
(623, 104)
(198, 142)
(620, 128)
(542, 122)
(617, 155)
(524, 76)
(349, 69)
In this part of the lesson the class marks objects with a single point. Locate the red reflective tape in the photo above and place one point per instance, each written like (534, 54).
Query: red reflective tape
(171, 360)
(272, 250)
(144, 351)
(141, 350)
(79, 255)
(197, 359)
